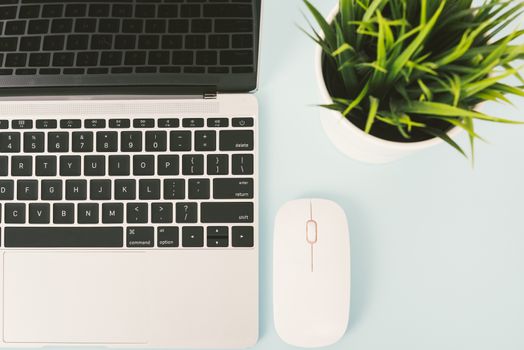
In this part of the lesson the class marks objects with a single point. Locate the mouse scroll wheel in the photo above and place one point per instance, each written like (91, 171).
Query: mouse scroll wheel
(311, 231)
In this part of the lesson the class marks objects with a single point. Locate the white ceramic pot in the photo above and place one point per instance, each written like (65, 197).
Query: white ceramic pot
(353, 141)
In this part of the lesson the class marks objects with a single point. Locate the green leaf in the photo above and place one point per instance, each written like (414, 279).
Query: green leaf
(329, 35)
(373, 108)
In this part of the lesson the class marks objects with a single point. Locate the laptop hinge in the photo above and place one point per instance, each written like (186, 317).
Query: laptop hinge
(210, 95)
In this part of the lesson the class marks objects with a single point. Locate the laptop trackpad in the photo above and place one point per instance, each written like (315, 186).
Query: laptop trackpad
(75, 297)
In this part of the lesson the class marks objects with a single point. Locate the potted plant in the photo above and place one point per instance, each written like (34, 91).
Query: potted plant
(398, 76)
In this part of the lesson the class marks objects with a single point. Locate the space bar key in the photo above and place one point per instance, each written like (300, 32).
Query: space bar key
(64, 237)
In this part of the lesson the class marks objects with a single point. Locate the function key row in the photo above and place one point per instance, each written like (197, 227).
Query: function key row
(127, 123)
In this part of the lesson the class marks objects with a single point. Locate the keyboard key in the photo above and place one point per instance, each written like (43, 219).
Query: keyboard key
(64, 237)
(112, 213)
(242, 236)
(63, 213)
(144, 123)
(94, 165)
(8, 44)
(9, 142)
(119, 165)
(119, 123)
(234, 26)
(76, 190)
(3, 165)
(122, 10)
(168, 165)
(243, 122)
(193, 122)
(131, 141)
(140, 237)
(217, 236)
(227, 212)
(167, 237)
(162, 213)
(143, 165)
(243, 164)
(137, 213)
(193, 164)
(198, 188)
(107, 141)
(218, 122)
(228, 10)
(51, 190)
(233, 188)
(100, 189)
(238, 57)
(46, 166)
(53, 42)
(22, 124)
(33, 142)
(75, 10)
(168, 123)
(205, 141)
(95, 123)
(82, 141)
(22, 166)
(186, 213)
(7, 190)
(125, 189)
(236, 140)
(217, 164)
(192, 236)
(14, 213)
(46, 124)
(27, 190)
(39, 213)
(70, 124)
(4, 124)
(87, 213)
(180, 141)
(58, 142)
(7, 12)
(63, 59)
(70, 166)
(149, 189)
(174, 189)
(156, 141)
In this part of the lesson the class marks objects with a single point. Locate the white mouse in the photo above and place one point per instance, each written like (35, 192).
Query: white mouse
(311, 273)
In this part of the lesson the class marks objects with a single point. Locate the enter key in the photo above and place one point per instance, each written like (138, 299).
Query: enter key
(238, 188)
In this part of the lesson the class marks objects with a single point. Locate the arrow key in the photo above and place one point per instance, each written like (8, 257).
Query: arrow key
(242, 236)
(217, 236)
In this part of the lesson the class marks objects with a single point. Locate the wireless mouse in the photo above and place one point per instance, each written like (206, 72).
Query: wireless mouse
(311, 273)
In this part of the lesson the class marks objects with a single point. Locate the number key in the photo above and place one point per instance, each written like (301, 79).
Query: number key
(156, 141)
(34, 142)
(131, 141)
(58, 142)
(106, 141)
(82, 141)
(9, 142)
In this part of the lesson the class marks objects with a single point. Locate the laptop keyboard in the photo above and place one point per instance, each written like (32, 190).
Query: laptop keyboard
(135, 183)
(49, 37)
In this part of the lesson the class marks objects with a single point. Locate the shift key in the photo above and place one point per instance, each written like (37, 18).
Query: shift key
(236, 140)
(227, 212)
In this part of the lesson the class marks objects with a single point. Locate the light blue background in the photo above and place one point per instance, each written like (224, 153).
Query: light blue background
(437, 247)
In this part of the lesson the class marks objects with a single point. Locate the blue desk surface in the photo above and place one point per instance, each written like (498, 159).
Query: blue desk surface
(437, 247)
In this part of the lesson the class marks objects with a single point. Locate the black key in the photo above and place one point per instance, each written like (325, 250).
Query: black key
(234, 26)
(75, 10)
(64, 237)
(4, 124)
(125, 42)
(172, 41)
(168, 123)
(145, 11)
(82, 141)
(155, 26)
(135, 58)
(137, 213)
(190, 11)
(32, 43)
(15, 60)
(39, 60)
(125, 189)
(99, 10)
(45, 166)
(186, 213)
(119, 123)
(235, 140)
(242, 41)
(14, 27)
(58, 142)
(52, 10)
(85, 25)
(205, 141)
(144, 123)
(3, 165)
(180, 141)
(192, 236)
(63, 213)
(243, 122)
(140, 237)
(46, 124)
(70, 166)
(27, 190)
(218, 122)
(168, 165)
(7, 190)
(22, 166)
(131, 141)
(174, 189)
(76, 190)
(237, 57)
(178, 26)
(193, 164)
(167, 237)
(94, 165)
(111, 58)
(100, 189)
(193, 122)
(62, 25)
(220, 41)
(14, 213)
(112, 213)
(8, 44)
(156, 141)
(195, 42)
(217, 236)
(34, 142)
(162, 213)
(122, 10)
(119, 165)
(87, 213)
(63, 59)
(143, 165)
(39, 213)
(149, 189)
(198, 188)
(229, 10)
(227, 212)
(54, 42)
(201, 25)
(167, 11)
(38, 26)
(9, 142)
(107, 141)
(25, 71)
(148, 42)
(132, 26)
(243, 164)
(102, 42)
(183, 57)
(157, 58)
(70, 124)
(206, 58)
(51, 190)
(7, 12)
(217, 164)
(85, 59)
(6, 71)
(242, 236)
(95, 123)
(233, 188)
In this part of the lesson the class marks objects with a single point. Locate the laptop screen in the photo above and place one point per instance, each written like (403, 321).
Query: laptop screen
(194, 44)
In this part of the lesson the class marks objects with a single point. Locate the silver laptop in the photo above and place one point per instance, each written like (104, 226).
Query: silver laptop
(128, 173)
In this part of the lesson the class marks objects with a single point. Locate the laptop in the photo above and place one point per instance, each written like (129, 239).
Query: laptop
(128, 173)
